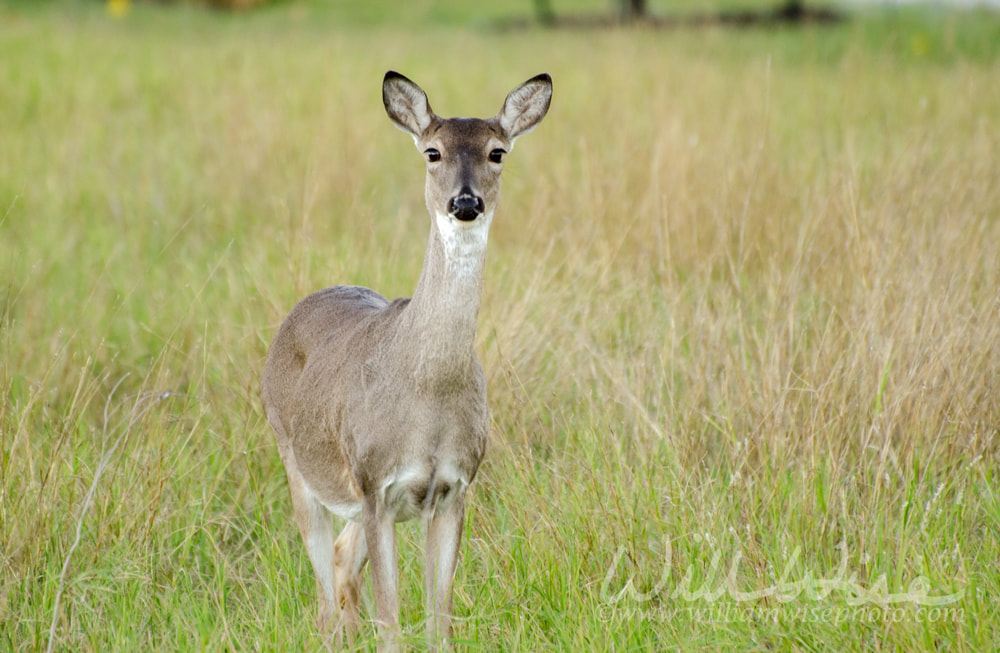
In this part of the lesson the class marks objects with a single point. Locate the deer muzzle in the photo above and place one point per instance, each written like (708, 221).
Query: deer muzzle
(466, 206)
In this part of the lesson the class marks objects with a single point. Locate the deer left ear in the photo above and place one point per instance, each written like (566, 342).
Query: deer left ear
(406, 104)
(526, 105)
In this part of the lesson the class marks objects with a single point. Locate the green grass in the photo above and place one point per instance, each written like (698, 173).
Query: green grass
(742, 303)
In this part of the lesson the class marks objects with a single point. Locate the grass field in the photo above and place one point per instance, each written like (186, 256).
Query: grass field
(741, 325)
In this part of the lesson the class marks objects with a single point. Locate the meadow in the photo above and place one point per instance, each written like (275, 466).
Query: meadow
(740, 325)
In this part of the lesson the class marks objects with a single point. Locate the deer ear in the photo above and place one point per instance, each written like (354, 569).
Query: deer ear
(526, 105)
(406, 104)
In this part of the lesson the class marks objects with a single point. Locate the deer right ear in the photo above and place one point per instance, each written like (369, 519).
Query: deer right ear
(406, 104)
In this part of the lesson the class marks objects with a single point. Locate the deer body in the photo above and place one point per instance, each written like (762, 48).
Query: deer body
(379, 408)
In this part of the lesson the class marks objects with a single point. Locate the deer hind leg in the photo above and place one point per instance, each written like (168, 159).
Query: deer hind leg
(350, 552)
(316, 527)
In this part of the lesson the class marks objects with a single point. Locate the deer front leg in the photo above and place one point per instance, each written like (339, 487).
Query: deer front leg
(444, 537)
(349, 556)
(380, 535)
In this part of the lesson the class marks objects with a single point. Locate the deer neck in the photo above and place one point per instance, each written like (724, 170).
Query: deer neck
(439, 324)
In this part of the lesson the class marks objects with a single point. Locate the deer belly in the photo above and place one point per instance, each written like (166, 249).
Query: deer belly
(416, 489)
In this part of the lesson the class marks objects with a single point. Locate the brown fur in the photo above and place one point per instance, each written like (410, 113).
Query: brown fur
(379, 407)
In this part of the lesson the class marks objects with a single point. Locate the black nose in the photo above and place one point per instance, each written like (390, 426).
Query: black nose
(465, 206)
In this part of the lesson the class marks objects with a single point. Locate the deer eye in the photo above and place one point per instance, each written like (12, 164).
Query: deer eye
(432, 155)
(496, 156)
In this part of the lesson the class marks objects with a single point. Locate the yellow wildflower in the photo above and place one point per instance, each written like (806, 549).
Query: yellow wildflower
(118, 8)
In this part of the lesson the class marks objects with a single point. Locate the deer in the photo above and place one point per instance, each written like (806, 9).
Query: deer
(379, 408)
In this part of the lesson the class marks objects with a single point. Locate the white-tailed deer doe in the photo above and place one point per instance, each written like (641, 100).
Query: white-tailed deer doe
(379, 407)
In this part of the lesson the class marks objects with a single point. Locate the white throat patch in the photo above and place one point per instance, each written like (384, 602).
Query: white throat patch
(464, 242)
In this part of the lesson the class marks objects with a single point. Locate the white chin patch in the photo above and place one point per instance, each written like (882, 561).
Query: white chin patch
(463, 239)
(463, 224)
